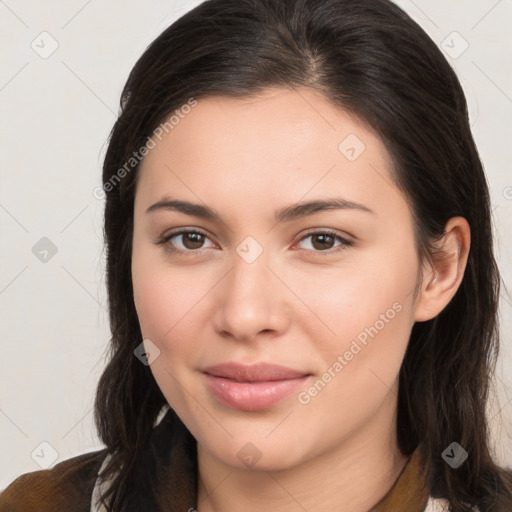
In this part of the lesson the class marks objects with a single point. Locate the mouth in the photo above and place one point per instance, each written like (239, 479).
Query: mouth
(252, 387)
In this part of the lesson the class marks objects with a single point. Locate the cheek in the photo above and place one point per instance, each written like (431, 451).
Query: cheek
(162, 295)
(359, 363)
(163, 308)
(151, 300)
(349, 300)
(366, 318)
(170, 305)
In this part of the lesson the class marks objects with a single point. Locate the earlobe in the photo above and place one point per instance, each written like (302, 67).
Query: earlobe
(442, 279)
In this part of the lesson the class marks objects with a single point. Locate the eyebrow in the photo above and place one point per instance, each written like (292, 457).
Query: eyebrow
(286, 214)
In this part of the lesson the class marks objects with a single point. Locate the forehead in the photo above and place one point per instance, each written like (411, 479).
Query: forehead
(297, 118)
(282, 143)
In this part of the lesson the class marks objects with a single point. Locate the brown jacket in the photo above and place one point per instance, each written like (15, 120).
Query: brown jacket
(166, 480)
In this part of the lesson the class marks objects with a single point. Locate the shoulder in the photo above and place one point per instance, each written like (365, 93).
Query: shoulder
(66, 486)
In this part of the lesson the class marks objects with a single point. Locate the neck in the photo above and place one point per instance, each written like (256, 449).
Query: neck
(352, 476)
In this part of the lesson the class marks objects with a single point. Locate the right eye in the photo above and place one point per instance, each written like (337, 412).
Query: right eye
(191, 242)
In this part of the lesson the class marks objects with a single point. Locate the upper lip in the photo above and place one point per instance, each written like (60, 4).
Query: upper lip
(253, 373)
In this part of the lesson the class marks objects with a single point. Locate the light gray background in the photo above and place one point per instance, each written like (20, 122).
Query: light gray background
(56, 114)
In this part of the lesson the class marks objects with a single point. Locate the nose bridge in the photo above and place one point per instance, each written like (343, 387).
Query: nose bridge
(251, 299)
(249, 276)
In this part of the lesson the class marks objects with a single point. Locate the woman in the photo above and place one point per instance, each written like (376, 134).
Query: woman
(302, 287)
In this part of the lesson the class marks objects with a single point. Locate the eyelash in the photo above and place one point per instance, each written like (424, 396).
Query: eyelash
(171, 248)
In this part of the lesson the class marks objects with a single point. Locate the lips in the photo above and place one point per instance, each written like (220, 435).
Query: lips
(253, 373)
(252, 387)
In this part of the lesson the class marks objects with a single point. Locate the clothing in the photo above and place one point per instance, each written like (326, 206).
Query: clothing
(167, 480)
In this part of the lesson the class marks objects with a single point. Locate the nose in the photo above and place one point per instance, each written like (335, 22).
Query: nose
(251, 301)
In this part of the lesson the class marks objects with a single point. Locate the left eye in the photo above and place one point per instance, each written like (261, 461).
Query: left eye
(323, 240)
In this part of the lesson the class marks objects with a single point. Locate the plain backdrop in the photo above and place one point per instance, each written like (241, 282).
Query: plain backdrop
(63, 66)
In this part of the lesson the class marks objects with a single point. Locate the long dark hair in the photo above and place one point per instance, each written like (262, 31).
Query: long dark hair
(371, 59)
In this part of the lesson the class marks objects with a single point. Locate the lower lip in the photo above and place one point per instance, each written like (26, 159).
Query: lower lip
(252, 396)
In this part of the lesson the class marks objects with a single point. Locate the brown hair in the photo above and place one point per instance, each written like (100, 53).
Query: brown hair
(371, 59)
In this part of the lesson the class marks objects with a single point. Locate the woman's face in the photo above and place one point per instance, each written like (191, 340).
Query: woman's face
(325, 291)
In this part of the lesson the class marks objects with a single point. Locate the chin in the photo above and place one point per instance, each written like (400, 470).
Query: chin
(258, 454)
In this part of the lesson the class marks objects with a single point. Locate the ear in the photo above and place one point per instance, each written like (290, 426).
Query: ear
(442, 280)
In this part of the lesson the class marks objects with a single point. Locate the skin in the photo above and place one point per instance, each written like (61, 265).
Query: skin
(300, 304)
